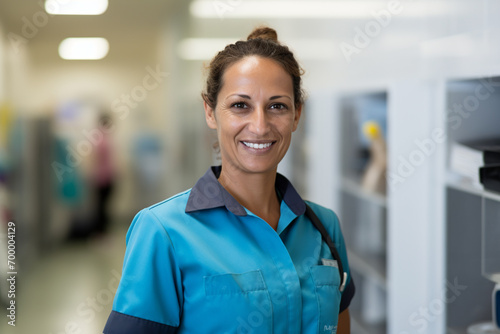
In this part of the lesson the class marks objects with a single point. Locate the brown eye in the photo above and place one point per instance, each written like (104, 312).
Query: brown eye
(239, 105)
(279, 106)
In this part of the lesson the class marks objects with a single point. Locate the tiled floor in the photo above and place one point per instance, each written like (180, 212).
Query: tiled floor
(71, 290)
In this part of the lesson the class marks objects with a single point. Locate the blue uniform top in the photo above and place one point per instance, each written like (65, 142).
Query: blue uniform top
(199, 262)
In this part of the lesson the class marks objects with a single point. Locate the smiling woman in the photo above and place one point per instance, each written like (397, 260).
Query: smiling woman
(255, 118)
(240, 252)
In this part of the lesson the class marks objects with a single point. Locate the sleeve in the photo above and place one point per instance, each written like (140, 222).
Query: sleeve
(331, 221)
(149, 296)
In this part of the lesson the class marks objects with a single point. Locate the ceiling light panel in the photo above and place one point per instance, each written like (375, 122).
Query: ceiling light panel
(83, 48)
(76, 7)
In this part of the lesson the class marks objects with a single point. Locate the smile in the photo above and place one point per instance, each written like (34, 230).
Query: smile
(258, 146)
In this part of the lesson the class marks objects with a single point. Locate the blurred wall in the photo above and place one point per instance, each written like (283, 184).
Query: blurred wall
(2, 63)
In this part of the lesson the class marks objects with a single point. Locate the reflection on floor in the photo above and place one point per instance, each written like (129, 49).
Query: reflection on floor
(70, 291)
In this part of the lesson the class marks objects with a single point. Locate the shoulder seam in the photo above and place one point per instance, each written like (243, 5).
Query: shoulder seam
(169, 199)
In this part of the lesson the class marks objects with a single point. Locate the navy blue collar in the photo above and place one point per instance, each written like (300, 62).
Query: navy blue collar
(208, 193)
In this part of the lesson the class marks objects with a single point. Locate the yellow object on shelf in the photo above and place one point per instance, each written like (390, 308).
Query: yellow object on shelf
(374, 177)
(371, 130)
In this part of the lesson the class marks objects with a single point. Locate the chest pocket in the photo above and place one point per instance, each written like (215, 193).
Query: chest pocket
(242, 299)
(326, 281)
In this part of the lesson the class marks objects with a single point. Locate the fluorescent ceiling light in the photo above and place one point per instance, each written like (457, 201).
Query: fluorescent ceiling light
(305, 9)
(207, 48)
(84, 48)
(76, 7)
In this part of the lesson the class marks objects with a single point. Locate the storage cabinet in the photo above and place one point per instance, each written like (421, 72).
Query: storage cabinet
(472, 213)
(363, 212)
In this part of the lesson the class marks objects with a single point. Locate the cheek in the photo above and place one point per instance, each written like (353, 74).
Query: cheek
(290, 126)
(226, 130)
(229, 126)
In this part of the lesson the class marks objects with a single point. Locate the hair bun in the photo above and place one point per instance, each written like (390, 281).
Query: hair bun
(264, 32)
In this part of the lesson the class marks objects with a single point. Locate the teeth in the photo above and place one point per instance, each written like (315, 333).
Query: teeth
(257, 146)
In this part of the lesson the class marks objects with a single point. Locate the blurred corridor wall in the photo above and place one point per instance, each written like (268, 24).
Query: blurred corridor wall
(12, 68)
(2, 63)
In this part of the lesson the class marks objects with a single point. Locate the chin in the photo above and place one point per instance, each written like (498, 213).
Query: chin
(260, 167)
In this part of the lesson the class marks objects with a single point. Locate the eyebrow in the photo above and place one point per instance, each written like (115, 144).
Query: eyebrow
(279, 96)
(271, 98)
(241, 95)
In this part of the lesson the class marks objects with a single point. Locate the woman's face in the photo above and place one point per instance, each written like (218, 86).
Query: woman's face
(255, 115)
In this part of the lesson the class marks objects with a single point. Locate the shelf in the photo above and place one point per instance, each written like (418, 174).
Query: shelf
(368, 265)
(462, 184)
(464, 243)
(353, 187)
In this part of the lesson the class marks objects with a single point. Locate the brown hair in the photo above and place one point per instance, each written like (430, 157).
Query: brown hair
(262, 42)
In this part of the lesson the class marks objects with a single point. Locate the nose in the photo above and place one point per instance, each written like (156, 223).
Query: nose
(259, 122)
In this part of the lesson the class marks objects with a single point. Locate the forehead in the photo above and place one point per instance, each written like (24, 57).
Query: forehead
(256, 72)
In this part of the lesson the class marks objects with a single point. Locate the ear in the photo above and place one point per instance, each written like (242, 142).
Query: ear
(210, 116)
(296, 119)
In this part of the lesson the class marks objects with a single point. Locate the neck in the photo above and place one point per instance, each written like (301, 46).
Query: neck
(255, 192)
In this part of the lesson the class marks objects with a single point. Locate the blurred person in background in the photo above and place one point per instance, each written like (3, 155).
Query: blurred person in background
(104, 173)
(86, 169)
(238, 253)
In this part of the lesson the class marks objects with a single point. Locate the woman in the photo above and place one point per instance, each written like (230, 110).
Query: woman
(236, 254)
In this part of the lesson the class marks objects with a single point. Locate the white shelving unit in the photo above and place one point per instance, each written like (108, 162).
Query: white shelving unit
(351, 186)
(406, 224)
(363, 213)
(467, 214)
